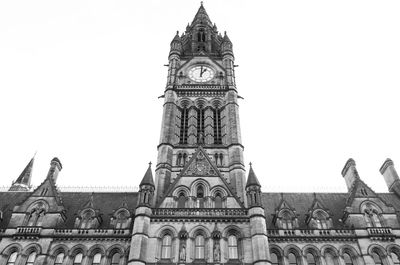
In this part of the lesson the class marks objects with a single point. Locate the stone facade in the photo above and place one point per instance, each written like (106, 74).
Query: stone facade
(200, 209)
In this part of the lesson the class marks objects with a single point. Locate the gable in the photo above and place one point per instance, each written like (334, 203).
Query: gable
(200, 170)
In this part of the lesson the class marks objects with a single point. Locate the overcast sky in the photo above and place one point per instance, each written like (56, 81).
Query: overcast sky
(80, 79)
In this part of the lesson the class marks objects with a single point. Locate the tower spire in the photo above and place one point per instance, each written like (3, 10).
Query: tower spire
(23, 182)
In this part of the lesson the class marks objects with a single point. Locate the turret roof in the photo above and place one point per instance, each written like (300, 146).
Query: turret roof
(148, 177)
(252, 179)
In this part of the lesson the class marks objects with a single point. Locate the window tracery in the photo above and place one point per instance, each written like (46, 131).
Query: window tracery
(372, 215)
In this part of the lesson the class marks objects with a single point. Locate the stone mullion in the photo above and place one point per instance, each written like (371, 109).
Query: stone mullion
(192, 126)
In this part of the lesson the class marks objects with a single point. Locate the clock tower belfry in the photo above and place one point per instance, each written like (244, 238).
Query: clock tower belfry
(200, 108)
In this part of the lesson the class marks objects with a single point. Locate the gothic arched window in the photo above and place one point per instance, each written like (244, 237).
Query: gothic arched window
(183, 135)
(96, 259)
(395, 258)
(292, 259)
(179, 159)
(232, 247)
(329, 260)
(200, 196)
(199, 247)
(166, 247)
(217, 127)
(310, 259)
(59, 259)
(12, 258)
(218, 200)
(181, 200)
(121, 220)
(286, 220)
(321, 219)
(78, 259)
(377, 258)
(347, 259)
(31, 259)
(274, 259)
(200, 125)
(115, 259)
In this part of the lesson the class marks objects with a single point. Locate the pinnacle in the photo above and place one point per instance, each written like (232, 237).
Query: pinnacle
(252, 179)
(148, 177)
(25, 176)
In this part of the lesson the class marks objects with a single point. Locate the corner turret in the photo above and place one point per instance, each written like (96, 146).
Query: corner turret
(253, 189)
(146, 191)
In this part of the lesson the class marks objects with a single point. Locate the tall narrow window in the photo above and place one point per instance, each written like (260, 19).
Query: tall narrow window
(59, 259)
(183, 135)
(218, 200)
(377, 258)
(199, 247)
(121, 221)
(181, 200)
(166, 247)
(115, 259)
(395, 258)
(31, 259)
(200, 125)
(78, 259)
(179, 159)
(347, 259)
(310, 259)
(274, 259)
(13, 257)
(329, 259)
(217, 126)
(200, 196)
(292, 259)
(232, 247)
(96, 259)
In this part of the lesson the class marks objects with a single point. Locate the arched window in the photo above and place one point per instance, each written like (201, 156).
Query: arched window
(13, 257)
(96, 259)
(292, 259)
(179, 159)
(347, 259)
(329, 259)
(200, 196)
(274, 259)
(184, 157)
(86, 220)
(78, 259)
(181, 200)
(200, 125)
(395, 258)
(166, 247)
(31, 259)
(232, 247)
(217, 128)
(218, 200)
(121, 221)
(115, 259)
(321, 219)
(183, 134)
(286, 220)
(59, 259)
(199, 247)
(310, 259)
(377, 258)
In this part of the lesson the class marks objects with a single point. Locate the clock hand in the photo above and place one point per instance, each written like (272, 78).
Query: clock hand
(201, 71)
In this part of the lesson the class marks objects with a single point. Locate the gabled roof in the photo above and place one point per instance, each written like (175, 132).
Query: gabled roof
(200, 165)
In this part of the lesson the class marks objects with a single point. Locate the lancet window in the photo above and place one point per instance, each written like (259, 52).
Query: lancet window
(233, 247)
(78, 259)
(183, 136)
(199, 247)
(310, 259)
(96, 259)
(347, 259)
(377, 258)
(59, 259)
(166, 247)
(200, 125)
(292, 259)
(217, 126)
(115, 259)
(12, 258)
(31, 259)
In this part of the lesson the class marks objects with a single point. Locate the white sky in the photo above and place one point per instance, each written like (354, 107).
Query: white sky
(80, 79)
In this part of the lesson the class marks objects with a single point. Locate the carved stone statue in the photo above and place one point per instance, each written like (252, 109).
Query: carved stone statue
(182, 253)
(217, 252)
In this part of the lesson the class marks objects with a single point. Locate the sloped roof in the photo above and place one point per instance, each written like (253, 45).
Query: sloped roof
(105, 202)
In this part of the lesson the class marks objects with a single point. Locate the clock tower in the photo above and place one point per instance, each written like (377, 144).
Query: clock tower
(200, 109)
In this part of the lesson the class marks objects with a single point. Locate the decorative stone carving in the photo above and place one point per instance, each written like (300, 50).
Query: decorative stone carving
(200, 166)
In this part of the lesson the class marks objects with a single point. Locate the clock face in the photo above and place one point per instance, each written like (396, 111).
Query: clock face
(201, 73)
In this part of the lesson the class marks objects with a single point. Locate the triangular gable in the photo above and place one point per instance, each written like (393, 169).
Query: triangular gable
(283, 204)
(200, 165)
(360, 190)
(47, 189)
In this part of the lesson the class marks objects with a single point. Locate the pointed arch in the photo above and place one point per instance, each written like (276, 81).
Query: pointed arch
(14, 247)
(293, 254)
(80, 248)
(57, 249)
(167, 229)
(33, 247)
(93, 250)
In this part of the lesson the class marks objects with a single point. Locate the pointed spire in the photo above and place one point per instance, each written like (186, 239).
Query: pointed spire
(201, 16)
(148, 177)
(252, 179)
(226, 38)
(23, 182)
